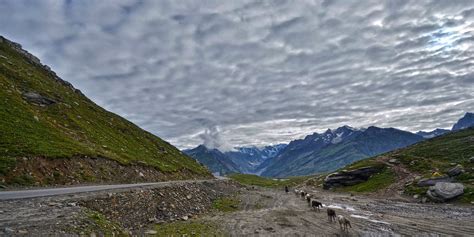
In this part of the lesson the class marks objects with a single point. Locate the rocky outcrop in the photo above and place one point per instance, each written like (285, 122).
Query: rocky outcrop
(456, 170)
(348, 178)
(443, 191)
(432, 181)
(38, 99)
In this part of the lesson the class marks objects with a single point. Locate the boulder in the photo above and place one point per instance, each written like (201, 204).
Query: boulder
(38, 99)
(471, 159)
(348, 178)
(443, 191)
(456, 170)
(432, 181)
(393, 161)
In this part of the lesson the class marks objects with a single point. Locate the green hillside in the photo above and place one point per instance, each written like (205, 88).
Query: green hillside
(63, 123)
(427, 159)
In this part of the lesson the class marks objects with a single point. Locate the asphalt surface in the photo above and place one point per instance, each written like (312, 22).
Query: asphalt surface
(32, 193)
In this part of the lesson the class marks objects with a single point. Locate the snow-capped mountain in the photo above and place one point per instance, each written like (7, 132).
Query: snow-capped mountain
(434, 133)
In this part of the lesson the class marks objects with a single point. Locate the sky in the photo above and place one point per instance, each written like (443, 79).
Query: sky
(239, 73)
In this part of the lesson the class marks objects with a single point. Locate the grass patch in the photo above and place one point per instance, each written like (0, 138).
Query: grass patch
(248, 179)
(6, 164)
(189, 228)
(468, 196)
(226, 204)
(102, 225)
(376, 182)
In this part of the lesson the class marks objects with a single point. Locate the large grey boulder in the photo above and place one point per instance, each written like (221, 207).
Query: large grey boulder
(443, 191)
(348, 178)
(432, 181)
(456, 170)
(38, 99)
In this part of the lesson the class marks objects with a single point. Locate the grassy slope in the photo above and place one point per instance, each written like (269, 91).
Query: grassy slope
(249, 179)
(73, 127)
(437, 154)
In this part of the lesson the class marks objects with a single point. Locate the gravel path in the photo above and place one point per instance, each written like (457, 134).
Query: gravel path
(274, 213)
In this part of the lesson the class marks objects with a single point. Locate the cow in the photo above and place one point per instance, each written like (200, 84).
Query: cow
(343, 222)
(331, 215)
(316, 205)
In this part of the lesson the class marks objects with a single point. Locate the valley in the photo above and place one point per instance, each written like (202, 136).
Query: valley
(256, 211)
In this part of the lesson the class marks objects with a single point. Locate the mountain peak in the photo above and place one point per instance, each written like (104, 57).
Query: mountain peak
(464, 122)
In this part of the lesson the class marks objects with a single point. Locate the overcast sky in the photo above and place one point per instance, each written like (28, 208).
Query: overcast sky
(232, 73)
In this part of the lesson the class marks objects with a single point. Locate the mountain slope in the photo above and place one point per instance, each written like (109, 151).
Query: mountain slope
(427, 159)
(249, 159)
(465, 122)
(334, 149)
(44, 117)
(214, 160)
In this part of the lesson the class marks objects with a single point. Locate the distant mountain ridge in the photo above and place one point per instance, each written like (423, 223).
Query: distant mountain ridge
(241, 160)
(336, 148)
(328, 151)
(216, 161)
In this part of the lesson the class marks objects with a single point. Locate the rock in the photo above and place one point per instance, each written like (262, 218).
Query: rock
(8, 230)
(23, 232)
(141, 174)
(471, 159)
(455, 171)
(393, 161)
(348, 178)
(189, 196)
(432, 181)
(416, 196)
(424, 200)
(443, 191)
(184, 218)
(151, 232)
(38, 99)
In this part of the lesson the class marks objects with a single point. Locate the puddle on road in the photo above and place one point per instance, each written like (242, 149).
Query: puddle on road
(367, 218)
(338, 206)
(366, 215)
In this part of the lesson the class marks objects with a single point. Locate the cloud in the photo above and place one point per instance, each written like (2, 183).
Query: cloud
(231, 73)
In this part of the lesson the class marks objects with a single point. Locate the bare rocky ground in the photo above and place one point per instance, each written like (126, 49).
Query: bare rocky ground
(131, 211)
(267, 212)
(263, 212)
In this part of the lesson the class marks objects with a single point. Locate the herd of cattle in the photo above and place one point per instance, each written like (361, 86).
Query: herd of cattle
(344, 223)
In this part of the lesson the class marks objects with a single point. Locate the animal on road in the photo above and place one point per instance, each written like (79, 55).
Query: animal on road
(331, 215)
(343, 222)
(316, 205)
(308, 198)
(302, 194)
(286, 189)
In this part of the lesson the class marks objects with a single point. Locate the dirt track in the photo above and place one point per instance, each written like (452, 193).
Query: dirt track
(272, 212)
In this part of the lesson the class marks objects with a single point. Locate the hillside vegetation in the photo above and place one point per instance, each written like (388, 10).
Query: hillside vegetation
(427, 159)
(44, 116)
(250, 179)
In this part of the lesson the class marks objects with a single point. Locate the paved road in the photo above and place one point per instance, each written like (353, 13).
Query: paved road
(10, 195)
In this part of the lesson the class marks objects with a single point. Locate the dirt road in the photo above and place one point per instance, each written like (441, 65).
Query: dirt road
(273, 213)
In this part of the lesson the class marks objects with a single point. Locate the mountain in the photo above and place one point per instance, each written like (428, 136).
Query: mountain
(216, 161)
(465, 122)
(449, 157)
(50, 133)
(250, 158)
(333, 149)
(431, 134)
